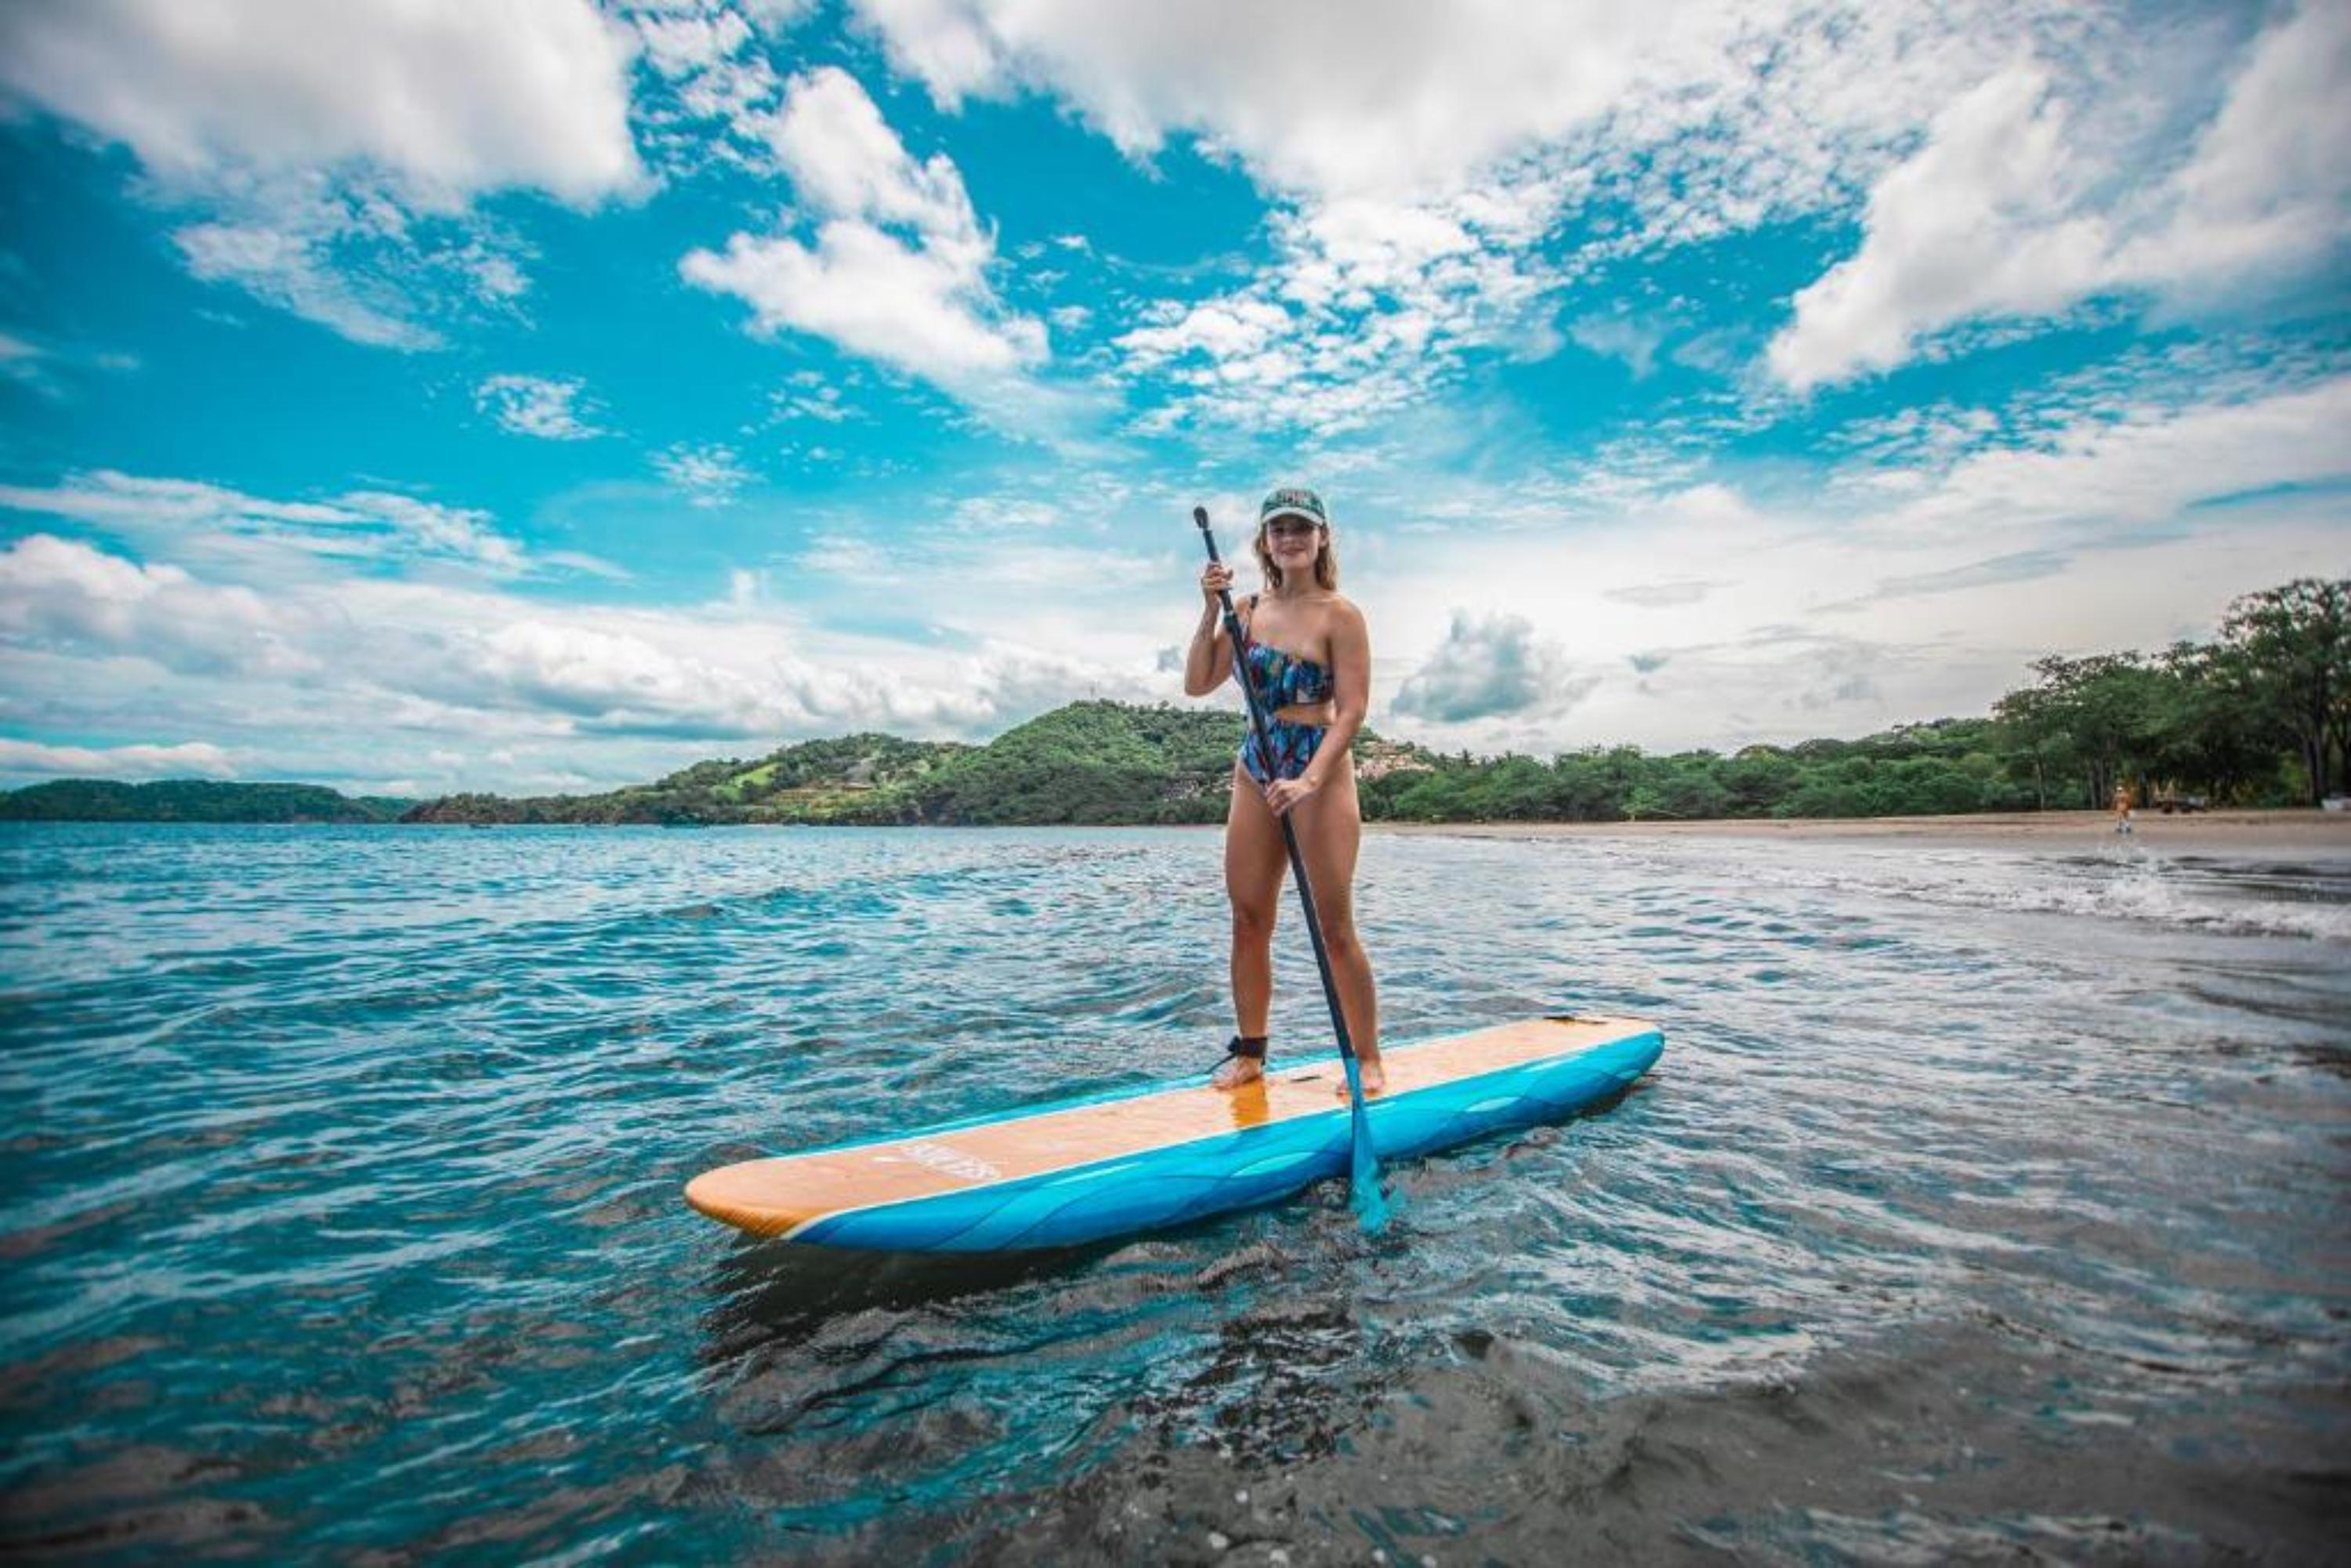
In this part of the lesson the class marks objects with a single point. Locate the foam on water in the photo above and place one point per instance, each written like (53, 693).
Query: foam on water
(2121, 882)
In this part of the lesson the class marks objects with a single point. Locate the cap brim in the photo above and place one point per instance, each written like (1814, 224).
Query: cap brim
(1291, 512)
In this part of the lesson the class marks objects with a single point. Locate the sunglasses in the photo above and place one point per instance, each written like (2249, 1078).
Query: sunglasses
(1292, 528)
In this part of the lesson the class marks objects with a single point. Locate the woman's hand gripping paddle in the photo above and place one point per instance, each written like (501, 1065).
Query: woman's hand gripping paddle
(1363, 1171)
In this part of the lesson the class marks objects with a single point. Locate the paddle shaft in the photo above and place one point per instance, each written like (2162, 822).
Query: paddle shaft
(1288, 834)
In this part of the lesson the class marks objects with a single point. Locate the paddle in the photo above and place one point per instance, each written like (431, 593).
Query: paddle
(1364, 1172)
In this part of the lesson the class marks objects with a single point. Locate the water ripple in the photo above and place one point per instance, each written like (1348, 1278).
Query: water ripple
(338, 1205)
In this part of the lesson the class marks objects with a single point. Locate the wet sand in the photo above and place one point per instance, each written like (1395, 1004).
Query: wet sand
(1939, 1444)
(2327, 833)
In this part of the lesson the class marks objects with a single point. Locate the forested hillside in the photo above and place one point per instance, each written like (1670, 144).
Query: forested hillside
(191, 800)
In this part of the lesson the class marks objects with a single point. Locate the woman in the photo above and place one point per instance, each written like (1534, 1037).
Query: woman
(1311, 660)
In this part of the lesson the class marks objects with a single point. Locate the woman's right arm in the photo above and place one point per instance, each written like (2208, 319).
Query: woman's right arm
(1210, 659)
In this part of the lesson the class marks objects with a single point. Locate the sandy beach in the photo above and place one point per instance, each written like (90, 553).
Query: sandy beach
(2301, 832)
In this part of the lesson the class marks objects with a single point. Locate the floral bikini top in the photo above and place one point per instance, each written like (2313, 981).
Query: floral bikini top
(1282, 680)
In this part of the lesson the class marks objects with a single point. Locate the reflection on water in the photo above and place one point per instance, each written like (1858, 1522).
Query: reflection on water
(1984, 1204)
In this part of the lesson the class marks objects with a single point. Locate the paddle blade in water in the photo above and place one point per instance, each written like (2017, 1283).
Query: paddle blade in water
(1363, 1169)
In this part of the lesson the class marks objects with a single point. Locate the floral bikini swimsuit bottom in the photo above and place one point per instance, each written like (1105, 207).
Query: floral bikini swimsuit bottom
(1282, 680)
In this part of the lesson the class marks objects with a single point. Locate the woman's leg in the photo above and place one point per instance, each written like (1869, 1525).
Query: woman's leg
(1330, 826)
(1255, 863)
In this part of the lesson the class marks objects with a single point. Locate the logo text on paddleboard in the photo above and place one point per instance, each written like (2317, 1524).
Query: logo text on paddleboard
(947, 1161)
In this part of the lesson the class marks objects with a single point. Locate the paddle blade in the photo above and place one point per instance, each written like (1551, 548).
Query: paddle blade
(1363, 1169)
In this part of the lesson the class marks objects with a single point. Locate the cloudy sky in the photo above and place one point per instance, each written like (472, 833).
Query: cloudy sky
(541, 395)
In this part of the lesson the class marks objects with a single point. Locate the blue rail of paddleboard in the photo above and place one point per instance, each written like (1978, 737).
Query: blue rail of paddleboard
(1238, 1169)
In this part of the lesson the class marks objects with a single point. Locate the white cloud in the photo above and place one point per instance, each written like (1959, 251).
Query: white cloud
(948, 44)
(1373, 95)
(25, 364)
(453, 532)
(1426, 164)
(210, 523)
(1975, 223)
(1365, 310)
(1664, 595)
(63, 595)
(393, 670)
(50, 368)
(2268, 189)
(337, 151)
(898, 269)
(1237, 328)
(845, 161)
(991, 516)
(544, 406)
(1491, 666)
(1408, 237)
(2008, 211)
(287, 262)
(690, 42)
(2132, 465)
(1696, 119)
(710, 473)
(617, 681)
(812, 398)
(106, 496)
(875, 295)
(26, 759)
(850, 556)
(442, 99)
(1620, 337)
(721, 86)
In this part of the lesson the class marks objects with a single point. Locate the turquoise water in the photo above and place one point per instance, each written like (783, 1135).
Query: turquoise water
(1983, 1203)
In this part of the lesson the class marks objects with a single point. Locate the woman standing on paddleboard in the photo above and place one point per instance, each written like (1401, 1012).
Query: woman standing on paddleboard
(1310, 656)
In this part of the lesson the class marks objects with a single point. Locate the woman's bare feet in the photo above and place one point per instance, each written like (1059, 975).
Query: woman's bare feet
(1374, 1076)
(1236, 1070)
(1244, 1062)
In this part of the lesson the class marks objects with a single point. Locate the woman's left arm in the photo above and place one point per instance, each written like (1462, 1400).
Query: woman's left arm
(1351, 700)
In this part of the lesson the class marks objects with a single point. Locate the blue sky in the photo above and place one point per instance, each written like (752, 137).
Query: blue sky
(444, 395)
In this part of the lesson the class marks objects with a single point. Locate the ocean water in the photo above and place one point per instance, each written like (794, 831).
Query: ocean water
(1986, 1205)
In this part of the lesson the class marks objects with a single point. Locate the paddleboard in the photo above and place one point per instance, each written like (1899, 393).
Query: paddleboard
(1081, 1170)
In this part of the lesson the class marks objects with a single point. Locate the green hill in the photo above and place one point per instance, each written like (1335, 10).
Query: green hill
(189, 801)
(850, 778)
(1091, 762)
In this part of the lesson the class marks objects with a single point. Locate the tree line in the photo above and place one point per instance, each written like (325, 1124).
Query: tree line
(2258, 717)
(192, 800)
(2261, 716)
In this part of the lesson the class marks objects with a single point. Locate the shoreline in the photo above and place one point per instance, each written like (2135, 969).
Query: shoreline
(2300, 831)
(2238, 832)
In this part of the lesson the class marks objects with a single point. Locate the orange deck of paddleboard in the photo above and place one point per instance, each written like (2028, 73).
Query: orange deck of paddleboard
(780, 1196)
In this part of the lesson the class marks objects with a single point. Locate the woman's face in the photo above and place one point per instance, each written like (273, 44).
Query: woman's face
(1293, 543)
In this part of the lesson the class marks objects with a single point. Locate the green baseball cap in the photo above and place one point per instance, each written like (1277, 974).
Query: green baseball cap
(1294, 501)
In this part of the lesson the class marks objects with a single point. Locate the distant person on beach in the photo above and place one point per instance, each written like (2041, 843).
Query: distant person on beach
(1310, 658)
(2122, 808)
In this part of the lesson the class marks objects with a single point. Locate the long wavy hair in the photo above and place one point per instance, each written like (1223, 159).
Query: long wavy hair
(1326, 560)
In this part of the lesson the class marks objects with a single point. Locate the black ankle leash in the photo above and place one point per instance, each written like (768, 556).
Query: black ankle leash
(1247, 1046)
